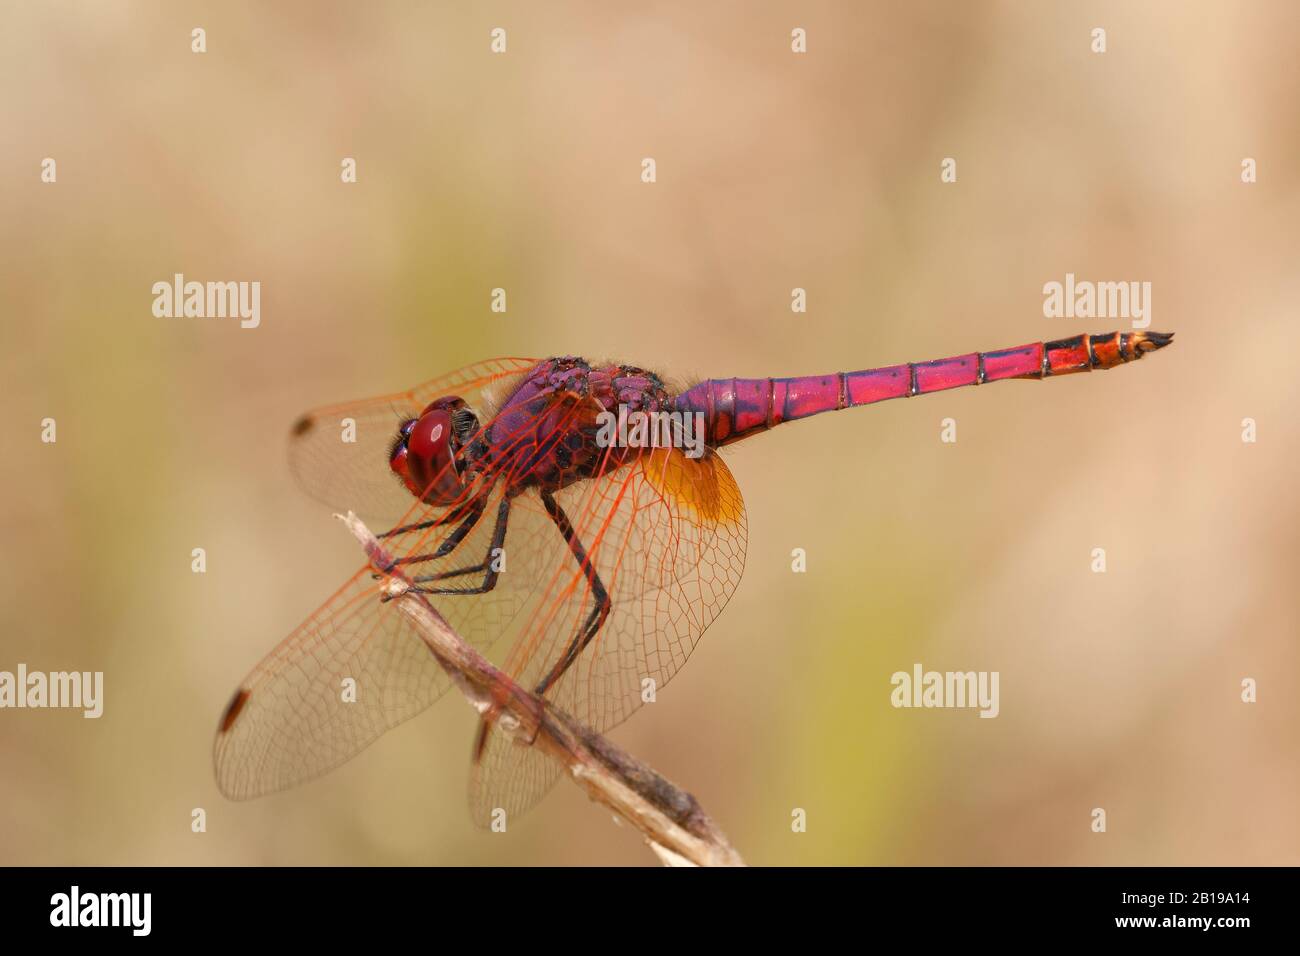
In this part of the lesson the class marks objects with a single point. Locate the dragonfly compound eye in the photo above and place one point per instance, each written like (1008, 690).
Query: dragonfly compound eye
(425, 460)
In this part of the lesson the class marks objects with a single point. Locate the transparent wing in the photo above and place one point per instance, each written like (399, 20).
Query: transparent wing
(296, 717)
(339, 453)
(666, 535)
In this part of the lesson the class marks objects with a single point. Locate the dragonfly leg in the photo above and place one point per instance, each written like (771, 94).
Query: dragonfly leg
(491, 573)
(598, 613)
(447, 546)
(403, 529)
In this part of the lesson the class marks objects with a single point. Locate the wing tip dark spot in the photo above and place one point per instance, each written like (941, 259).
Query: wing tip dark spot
(303, 425)
(233, 709)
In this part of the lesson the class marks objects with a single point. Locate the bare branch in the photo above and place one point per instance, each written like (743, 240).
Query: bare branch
(672, 822)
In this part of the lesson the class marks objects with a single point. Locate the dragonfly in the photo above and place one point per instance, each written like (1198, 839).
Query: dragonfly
(594, 557)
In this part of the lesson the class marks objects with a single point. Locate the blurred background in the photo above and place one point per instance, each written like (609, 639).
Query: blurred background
(774, 171)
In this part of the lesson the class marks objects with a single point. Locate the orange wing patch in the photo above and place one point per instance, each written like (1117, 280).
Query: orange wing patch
(702, 486)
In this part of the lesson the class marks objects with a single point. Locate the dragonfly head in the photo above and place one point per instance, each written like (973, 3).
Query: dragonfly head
(425, 453)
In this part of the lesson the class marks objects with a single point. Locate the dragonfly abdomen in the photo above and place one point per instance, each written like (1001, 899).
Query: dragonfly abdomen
(735, 408)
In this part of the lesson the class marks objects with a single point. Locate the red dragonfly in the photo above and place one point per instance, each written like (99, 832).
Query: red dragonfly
(526, 520)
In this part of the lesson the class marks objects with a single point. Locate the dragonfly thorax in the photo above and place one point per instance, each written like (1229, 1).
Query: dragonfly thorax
(546, 433)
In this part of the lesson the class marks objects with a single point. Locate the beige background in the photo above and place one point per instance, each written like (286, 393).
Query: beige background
(774, 171)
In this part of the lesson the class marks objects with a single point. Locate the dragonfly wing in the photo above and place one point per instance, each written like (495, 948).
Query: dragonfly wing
(666, 536)
(508, 778)
(339, 453)
(347, 674)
